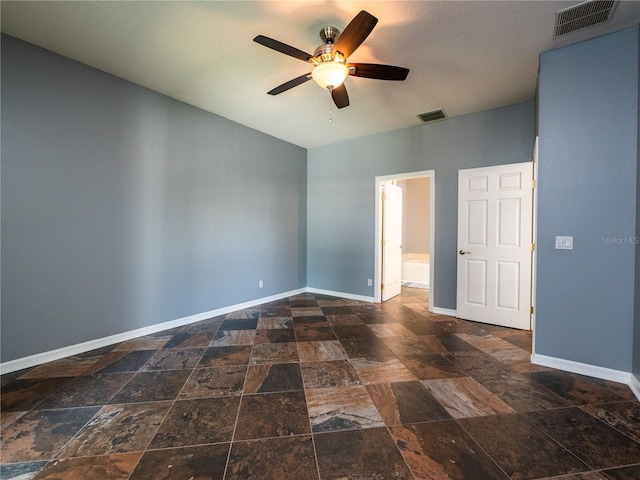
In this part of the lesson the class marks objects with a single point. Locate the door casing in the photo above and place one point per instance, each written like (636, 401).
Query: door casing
(377, 280)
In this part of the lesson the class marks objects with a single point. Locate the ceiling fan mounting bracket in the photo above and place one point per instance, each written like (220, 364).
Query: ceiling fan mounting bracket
(329, 35)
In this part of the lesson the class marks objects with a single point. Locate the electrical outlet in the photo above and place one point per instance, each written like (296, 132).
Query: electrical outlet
(260, 284)
(369, 282)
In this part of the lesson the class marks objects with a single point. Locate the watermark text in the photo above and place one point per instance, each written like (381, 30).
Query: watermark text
(621, 240)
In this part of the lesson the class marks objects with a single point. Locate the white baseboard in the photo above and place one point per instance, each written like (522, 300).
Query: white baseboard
(634, 385)
(444, 311)
(585, 369)
(39, 358)
(349, 296)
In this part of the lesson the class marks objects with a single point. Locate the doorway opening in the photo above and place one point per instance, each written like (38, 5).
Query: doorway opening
(417, 223)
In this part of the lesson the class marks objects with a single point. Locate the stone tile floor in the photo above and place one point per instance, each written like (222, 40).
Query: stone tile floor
(316, 387)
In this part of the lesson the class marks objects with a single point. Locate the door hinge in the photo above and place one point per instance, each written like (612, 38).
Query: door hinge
(533, 184)
(384, 197)
(533, 247)
(383, 243)
(531, 310)
(382, 287)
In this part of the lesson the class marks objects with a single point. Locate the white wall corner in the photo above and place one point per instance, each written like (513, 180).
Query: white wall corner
(443, 311)
(349, 296)
(634, 385)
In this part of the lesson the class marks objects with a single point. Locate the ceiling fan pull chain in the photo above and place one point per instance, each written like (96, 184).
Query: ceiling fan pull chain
(330, 108)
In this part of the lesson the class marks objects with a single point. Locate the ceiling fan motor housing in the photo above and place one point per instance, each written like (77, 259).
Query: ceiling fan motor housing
(323, 53)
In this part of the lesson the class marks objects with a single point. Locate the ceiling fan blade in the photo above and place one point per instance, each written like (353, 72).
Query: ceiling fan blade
(340, 96)
(379, 72)
(290, 84)
(282, 48)
(354, 34)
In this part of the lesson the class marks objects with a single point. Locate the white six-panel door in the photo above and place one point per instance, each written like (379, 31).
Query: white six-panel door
(494, 245)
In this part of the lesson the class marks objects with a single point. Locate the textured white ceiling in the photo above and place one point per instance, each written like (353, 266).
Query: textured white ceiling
(464, 56)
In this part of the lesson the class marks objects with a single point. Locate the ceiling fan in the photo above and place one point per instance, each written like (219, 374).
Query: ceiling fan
(330, 59)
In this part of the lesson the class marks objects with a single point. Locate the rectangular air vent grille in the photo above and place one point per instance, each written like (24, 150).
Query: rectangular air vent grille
(583, 15)
(432, 116)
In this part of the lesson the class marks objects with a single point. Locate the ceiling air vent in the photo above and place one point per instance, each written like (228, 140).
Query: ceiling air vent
(585, 14)
(432, 116)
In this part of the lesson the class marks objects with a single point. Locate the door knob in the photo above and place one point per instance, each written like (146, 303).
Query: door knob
(462, 252)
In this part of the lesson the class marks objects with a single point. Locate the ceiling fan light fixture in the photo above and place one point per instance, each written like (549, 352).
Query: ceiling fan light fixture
(330, 74)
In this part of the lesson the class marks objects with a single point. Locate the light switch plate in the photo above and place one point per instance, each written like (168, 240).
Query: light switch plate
(564, 242)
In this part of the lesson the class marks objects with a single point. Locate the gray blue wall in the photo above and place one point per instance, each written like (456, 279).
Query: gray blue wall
(122, 208)
(588, 182)
(341, 192)
(636, 332)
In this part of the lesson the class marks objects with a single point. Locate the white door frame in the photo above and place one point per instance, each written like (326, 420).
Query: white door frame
(534, 233)
(377, 277)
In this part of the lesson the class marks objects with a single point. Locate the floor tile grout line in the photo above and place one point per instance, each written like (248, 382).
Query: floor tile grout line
(481, 447)
(556, 441)
(312, 434)
(573, 403)
(34, 407)
(306, 404)
(348, 359)
(125, 404)
(607, 469)
(614, 427)
(388, 428)
(598, 404)
(55, 456)
(166, 415)
(235, 425)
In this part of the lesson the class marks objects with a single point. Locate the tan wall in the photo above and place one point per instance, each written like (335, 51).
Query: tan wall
(416, 225)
